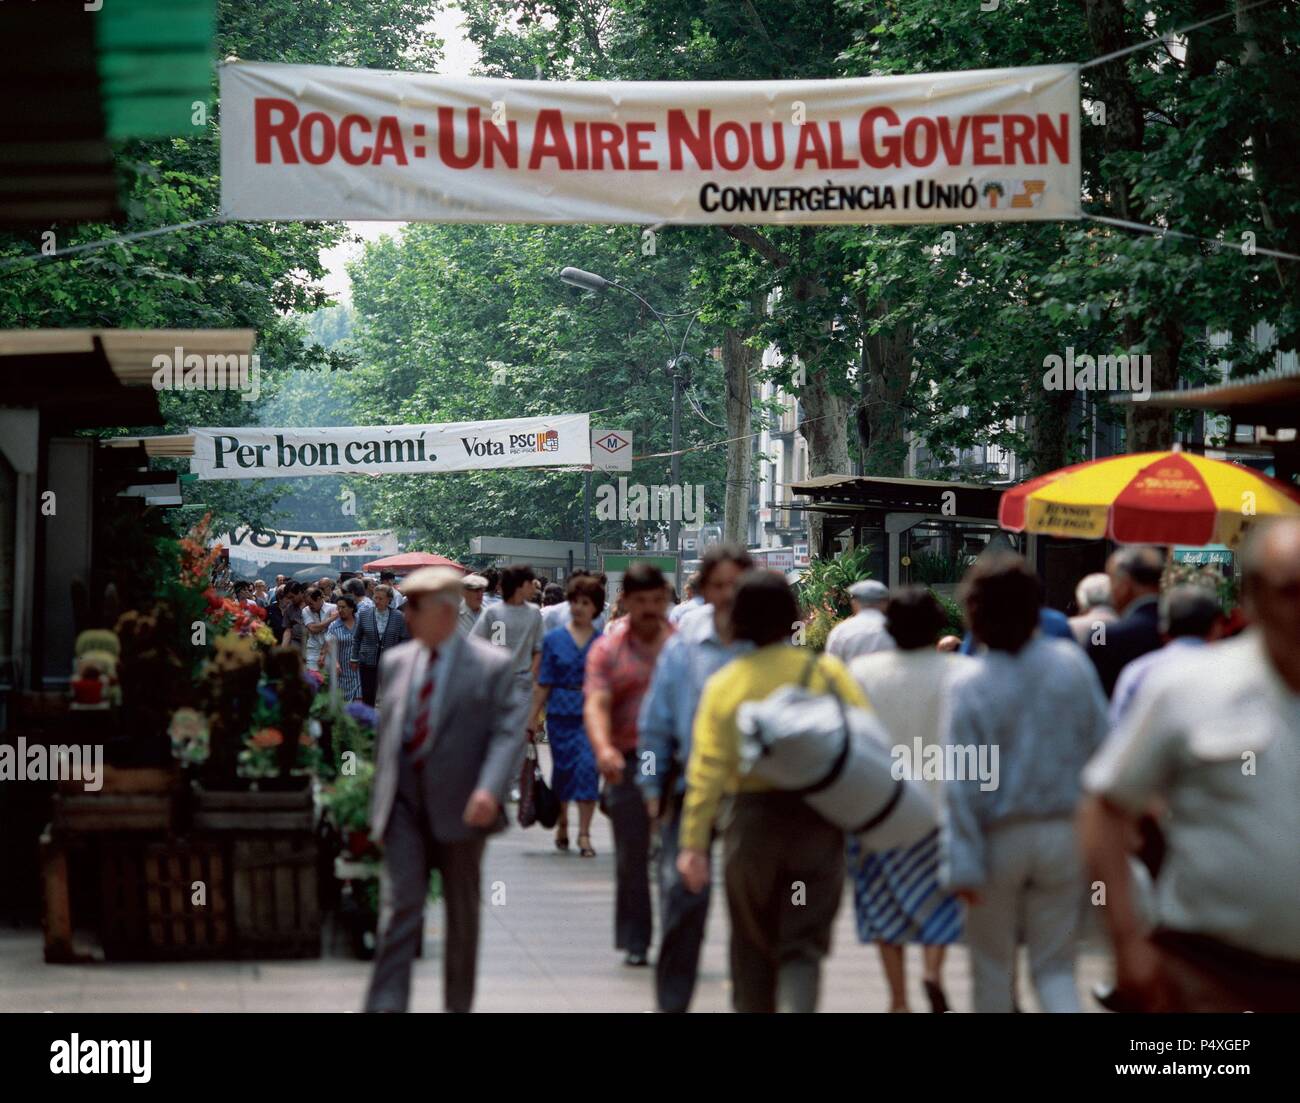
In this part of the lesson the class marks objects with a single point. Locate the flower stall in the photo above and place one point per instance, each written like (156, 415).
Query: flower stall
(215, 848)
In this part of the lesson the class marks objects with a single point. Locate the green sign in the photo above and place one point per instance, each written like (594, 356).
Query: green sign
(615, 567)
(620, 563)
(1218, 555)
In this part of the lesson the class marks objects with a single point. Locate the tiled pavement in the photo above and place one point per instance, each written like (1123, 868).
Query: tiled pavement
(546, 947)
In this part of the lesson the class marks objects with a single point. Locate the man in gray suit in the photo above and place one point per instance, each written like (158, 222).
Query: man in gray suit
(450, 742)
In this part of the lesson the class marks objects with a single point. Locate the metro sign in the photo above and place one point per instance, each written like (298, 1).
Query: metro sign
(611, 450)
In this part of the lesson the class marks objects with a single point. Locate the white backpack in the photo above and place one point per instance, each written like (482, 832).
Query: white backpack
(837, 758)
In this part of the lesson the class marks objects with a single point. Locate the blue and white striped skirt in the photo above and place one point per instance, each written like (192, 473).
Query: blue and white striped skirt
(897, 896)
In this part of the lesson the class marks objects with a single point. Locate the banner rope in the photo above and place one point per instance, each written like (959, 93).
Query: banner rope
(120, 239)
(1162, 231)
(743, 436)
(1172, 34)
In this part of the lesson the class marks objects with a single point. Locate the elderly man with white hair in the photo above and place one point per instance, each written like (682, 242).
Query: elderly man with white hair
(1092, 596)
(471, 603)
(864, 632)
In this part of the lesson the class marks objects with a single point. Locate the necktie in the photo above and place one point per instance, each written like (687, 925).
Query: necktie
(423, 708)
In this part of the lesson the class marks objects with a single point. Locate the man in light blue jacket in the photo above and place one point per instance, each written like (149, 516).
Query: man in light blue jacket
(1032, 710)
(701, 647)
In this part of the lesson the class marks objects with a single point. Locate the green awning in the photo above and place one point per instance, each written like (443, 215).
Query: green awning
(132, 69)
(155, 61)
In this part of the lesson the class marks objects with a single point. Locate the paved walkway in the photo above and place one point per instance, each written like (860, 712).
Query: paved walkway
(547, 945)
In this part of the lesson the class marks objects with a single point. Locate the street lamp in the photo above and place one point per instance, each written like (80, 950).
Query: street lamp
(589, 281)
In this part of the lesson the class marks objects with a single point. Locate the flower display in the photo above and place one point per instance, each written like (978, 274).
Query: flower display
(234, 646)
(277, 739)
(95, 664)
(267, 737)
(228, 615)
(366, 715)
(189, 735)
(195, 589)
(263, 754)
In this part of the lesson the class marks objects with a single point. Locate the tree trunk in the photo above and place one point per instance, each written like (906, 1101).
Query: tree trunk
(1146, 428)
(1049, 423)
(1124, 123)
(826, 412)
(1274, 140)
(824, 428)
(738, 361)
(884, 376)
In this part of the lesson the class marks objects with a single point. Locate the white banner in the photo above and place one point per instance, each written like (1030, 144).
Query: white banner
(258, 453)
(267, 545)
(316, 142)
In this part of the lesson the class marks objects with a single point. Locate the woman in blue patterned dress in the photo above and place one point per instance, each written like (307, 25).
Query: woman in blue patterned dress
(559, 693)
(342, 630)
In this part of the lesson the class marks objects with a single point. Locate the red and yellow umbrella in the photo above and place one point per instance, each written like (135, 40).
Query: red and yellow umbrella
(1148, 498)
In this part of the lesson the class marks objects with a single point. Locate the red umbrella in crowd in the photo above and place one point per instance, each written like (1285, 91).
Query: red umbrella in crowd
(411, 561)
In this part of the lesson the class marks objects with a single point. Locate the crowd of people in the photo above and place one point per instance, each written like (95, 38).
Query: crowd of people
(1140, 757)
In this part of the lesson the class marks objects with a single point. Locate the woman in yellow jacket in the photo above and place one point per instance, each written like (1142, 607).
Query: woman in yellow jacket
(783, 864)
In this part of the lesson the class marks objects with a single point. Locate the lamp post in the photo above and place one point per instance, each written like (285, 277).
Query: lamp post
(589, 281)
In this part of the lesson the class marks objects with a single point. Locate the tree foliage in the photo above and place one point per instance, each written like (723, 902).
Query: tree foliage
(887, 334)
(259, 276)
(460, 323)
(899, 336)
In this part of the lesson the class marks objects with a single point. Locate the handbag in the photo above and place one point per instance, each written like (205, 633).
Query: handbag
(537, 803)
(527, 814)
(548, 808)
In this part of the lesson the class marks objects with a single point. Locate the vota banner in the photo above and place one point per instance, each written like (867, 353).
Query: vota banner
(314, 142)
(280, 544)
(258, 453)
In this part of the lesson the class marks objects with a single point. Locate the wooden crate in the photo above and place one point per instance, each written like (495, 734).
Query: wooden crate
(56, 913)
(133, 779)
(36, 708)
(221, 810)
(147, 908)
(274, 891)
(93, 812)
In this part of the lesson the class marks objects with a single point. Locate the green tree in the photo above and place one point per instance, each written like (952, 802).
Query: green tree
(468, 323)
(896, 335)
(234, 275)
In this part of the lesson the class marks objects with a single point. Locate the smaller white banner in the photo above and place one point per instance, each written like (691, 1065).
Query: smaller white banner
(267, 545)
(611, 449)
(254, 452)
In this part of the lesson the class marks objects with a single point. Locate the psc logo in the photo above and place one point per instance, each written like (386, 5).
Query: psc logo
(548, 441)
